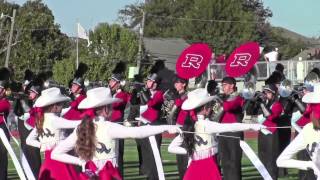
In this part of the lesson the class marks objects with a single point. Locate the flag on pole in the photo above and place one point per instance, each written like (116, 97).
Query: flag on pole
(83, 34)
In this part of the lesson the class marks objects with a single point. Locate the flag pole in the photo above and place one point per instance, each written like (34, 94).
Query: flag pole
(77, 60)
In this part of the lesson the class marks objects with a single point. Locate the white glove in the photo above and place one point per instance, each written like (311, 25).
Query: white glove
(174, 129)
(127, 123)
(83, 163)
(257, 127)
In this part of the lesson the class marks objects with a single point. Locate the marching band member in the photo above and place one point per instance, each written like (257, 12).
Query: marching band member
(305, 119)
(48, 133)
(26, 123)
(287, 100)
(268, 139)
(78, 93)
(230, 152)
(117, 113)
(4, 111)
(307, 139)
(152, 97)
(178, 116)
(94, 140)
(201, 145)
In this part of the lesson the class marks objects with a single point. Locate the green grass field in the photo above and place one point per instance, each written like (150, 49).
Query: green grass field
(169, 162)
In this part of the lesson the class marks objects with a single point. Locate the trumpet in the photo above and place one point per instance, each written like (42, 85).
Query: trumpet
(16, 95)
(93, 84)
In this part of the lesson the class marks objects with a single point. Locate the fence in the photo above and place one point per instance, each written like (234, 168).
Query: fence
(293, 70)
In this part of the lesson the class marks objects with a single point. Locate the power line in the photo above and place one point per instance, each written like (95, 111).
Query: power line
(31, 29)
(205, 20)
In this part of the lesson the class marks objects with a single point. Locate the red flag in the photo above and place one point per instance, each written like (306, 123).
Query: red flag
(193, 61)
(242, 59)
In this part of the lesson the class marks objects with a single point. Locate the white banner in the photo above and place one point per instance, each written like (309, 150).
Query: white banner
(12, 155)
(157, 157)
(255, 160)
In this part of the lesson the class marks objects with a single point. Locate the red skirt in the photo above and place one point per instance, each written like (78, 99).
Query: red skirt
(56, 170)
(204, 169)
(108, 172)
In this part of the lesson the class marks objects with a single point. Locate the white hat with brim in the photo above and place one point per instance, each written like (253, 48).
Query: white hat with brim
(98, 97)
(50, 96)
(197, 98)
(313, 97)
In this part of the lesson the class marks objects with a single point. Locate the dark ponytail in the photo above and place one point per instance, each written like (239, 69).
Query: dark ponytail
(188, 138)
(86, 141)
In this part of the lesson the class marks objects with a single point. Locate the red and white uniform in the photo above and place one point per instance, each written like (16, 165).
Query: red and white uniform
(119, 107)
(154, 106)
(271, 121)
(74, 113)
(52, 127)
(232, 107)
(203, 158)
(182, 114)
(30, 123)
(305, 118)
(4, 109)
(104, 161)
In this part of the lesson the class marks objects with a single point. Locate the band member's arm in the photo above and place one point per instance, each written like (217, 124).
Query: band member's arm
(60, 152)
(214, 127)
(4, 106)
(61, 123)
(286, 157)
(156, 100)
(123, 102)
(118, 131)
(276, 111)
(32, 139)
(175, 146)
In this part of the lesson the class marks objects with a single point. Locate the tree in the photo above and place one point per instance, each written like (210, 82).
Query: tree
(110, 44)
(41, 42)
(224, 24)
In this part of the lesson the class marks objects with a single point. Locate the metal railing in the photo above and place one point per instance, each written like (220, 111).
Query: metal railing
(293, 69)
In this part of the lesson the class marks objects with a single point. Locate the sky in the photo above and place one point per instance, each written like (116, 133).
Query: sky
(300, 16)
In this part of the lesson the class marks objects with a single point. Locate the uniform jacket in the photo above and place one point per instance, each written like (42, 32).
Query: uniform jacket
(272, 120)
(119, 107)
(74, 113)
(232, 108)
(4, 109)
(154, 107)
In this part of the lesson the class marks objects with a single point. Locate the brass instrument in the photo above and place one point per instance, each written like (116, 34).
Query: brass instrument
(93, 84)
(249, 90)
(167, 109)
(286, 88)
(50, 83)
(16, 95)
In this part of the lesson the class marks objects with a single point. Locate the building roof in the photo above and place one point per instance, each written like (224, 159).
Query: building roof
(168, 49)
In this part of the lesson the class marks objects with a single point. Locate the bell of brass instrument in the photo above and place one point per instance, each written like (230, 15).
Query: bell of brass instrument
(93, 84)
(249, 90)
(286, 88)
(50, 83)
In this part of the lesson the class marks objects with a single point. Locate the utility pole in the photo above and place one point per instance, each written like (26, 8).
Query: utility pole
(141, 31)
(10, 38)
